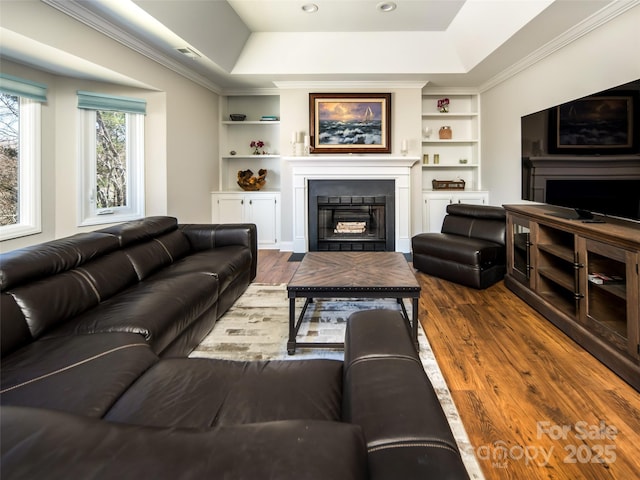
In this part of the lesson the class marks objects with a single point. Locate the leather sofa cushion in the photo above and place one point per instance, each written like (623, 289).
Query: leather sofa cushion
(205, 237)
(14, 332)
(151, 256)
(225, 262)
(51, 445)
(142, 230)
(158, 310)
(54, 299)
(38, 261)
(197, 392)
(458, 249)
(476, 221)
(82, 375)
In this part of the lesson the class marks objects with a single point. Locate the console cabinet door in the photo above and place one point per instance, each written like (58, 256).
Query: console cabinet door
(519, 252)
(611, 309)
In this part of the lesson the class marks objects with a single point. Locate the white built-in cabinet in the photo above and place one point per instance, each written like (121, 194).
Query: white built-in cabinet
(261, 208)
(458, 157)
(434, 205)
(231, 204)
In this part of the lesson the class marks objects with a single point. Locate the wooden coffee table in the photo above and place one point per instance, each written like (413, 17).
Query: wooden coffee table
(351, 275)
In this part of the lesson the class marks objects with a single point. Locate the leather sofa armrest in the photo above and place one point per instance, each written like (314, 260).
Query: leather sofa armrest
(387, 393)
(208, 236)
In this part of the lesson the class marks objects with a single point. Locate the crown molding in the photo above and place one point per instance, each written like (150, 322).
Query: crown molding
(250, 91)
(357, 85)
(596, 20)
(76, 11)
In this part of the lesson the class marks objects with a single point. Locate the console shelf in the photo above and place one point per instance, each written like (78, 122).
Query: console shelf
(549, 263)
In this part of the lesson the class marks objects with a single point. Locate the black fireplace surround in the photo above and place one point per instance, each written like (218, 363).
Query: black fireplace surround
(366, 208)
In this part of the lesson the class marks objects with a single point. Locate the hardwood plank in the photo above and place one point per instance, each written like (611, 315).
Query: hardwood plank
(520, 384)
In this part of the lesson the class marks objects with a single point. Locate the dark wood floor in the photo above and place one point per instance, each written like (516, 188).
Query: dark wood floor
(535, 404)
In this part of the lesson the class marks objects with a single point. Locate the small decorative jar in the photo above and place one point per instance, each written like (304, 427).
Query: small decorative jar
(425, 158)
(445, 133)
(436, 158)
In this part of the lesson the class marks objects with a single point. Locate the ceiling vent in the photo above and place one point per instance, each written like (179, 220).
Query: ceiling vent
(189, 52)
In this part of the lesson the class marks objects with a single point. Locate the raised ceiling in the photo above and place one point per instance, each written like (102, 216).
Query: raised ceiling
(239, 44)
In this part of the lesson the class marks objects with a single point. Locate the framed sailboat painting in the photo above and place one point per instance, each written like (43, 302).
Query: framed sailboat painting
(350, 122)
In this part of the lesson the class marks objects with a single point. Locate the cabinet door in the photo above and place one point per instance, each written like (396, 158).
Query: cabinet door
(473, 198)
(228, 208)
(519, 259)
(263, 210)
(612, 306)
(435, 209)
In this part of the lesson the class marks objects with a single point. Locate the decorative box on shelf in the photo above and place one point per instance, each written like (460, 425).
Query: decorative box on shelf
(447, 184)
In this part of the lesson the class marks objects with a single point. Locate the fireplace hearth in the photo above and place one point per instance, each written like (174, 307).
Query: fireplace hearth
(351, 215)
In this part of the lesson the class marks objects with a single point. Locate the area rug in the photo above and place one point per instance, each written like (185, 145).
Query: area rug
(257, 328)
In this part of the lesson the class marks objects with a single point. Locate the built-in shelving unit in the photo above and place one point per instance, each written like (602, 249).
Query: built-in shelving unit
(236, 136)
(550, 264)
(458, 157)
(230, 203)
(463, 117)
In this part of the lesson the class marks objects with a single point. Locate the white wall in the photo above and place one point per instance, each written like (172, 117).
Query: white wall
(602, 59)
(181, 136)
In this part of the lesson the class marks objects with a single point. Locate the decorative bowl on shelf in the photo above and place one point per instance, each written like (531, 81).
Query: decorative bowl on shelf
(249, 182)
(237, 117)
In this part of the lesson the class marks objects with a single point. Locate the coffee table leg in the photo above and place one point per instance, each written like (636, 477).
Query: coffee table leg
(291, 344)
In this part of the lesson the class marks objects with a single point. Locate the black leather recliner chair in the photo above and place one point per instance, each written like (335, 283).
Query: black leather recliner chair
(469, 250)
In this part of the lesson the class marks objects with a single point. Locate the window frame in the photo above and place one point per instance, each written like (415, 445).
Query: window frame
(88, 214)
(29, 173)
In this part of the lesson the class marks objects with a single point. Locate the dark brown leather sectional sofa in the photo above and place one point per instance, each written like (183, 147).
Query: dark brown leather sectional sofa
(95, 383)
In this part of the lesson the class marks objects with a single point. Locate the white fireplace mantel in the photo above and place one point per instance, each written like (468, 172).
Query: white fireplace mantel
(330, 167)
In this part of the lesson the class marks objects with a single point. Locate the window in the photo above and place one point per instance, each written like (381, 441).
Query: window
(20, 156)
(111, 158)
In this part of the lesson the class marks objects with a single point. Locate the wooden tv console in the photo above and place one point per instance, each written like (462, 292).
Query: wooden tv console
(550, 261)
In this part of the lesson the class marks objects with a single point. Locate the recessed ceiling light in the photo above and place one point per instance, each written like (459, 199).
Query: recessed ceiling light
(309, 8)
(386, 6)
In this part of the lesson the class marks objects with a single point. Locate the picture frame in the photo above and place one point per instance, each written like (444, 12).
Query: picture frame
(350, 122)
(601, 124)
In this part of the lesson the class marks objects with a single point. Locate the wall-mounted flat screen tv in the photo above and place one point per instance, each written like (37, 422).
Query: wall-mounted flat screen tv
(585, 154)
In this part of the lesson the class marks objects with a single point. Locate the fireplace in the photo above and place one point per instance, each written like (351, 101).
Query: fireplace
(351, 215)
(397, 170)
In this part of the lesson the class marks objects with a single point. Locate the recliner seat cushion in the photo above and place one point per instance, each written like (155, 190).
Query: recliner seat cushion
(224, 262)
(201, 393)
(458, 249)
(159, 310)
(83, 374)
